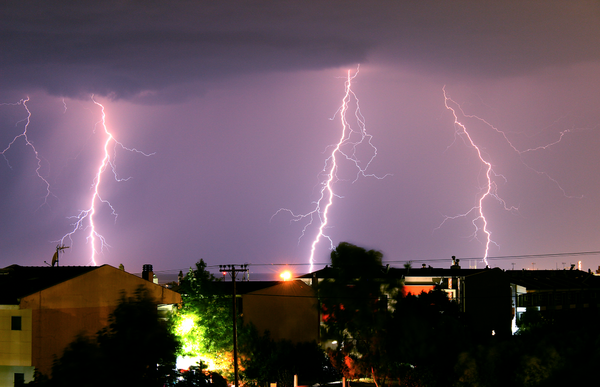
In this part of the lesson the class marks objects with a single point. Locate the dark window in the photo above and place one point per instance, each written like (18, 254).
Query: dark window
(15, 323)
(19, 379)
(559, 299)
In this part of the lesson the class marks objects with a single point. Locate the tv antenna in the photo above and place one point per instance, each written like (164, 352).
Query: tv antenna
(59, 249)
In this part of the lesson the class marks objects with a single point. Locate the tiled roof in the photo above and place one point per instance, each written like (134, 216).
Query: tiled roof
(18, 281)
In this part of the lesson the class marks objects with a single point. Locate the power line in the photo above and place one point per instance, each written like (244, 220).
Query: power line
(501, 257)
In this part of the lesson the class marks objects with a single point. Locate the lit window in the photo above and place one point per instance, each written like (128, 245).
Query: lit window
(15, 323)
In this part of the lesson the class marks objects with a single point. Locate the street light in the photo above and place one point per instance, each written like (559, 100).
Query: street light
(285, 275)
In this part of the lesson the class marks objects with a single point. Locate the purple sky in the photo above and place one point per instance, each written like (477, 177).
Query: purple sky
(235, 99)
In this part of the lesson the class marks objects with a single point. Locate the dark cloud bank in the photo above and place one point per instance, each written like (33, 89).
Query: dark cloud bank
(141, 49)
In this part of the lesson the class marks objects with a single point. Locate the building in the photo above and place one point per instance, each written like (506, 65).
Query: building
(43, 309)
(288, 310)
(494, 299)
(483, 295)
(562, 296)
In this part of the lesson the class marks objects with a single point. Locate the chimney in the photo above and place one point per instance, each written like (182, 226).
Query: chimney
(147, 273)
(455, 263)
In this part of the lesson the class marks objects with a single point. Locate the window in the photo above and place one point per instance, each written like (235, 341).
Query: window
(19, 379)
(15, 323)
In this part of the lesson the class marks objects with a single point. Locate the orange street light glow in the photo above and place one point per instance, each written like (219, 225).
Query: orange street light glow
(286, 275)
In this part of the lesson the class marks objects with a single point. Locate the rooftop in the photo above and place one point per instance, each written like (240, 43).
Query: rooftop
(18, 281)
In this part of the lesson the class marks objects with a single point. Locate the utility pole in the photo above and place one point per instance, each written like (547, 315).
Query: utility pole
(233, 271)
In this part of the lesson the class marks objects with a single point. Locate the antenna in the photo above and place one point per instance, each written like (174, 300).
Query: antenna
(59, 249)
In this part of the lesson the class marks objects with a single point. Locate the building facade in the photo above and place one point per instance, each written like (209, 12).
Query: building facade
(43, 309)
(288, 311)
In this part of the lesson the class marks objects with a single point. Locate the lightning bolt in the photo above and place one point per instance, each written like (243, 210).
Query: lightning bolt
(490, 187)
(23, 134)
(94, 238)
(522, 152)
(351, 138)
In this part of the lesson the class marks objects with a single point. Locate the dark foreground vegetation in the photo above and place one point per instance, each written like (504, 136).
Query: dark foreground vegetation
(422, 341)
(137, 348)
(426, 341)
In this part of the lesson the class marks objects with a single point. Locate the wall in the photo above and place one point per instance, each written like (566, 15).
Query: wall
(81, 305)
(288, 311)
(15, 346)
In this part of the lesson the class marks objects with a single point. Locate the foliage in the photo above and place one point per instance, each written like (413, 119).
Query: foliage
(425, 338)
(530, 320)
(194, 377)
(135, 349)
(412, 340)
(138, 338)
(267, 361)
(204, 323)
(541, 356)
(355, 310)
(197, 376)
(79, 357)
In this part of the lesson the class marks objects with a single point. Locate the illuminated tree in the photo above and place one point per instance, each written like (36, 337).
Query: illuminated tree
(204, 321)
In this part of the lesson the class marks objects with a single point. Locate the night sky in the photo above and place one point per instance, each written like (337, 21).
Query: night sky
(235, 105)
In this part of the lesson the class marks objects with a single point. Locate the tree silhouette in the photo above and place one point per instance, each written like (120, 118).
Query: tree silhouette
(137, 344)
(354, 306)
(137, 348)
(424, 340)
(268, 361)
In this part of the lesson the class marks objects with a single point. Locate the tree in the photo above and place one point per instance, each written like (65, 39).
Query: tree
(137, 344)
(204, 321)
(424, 340)
(137, 348)
(354, 306)
(81, 358)
(267, 361)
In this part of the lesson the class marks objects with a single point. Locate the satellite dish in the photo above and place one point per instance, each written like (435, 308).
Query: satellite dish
(59, 249)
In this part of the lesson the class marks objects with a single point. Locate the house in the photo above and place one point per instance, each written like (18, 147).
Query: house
(563, 296)
(43, 309)
(483, 295)
(494, 299)
(288, 310)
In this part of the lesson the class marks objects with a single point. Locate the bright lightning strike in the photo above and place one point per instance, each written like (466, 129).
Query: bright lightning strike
(23, 134)
(351, 138)
(524, 151)
(85, 219)
(490, 187)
